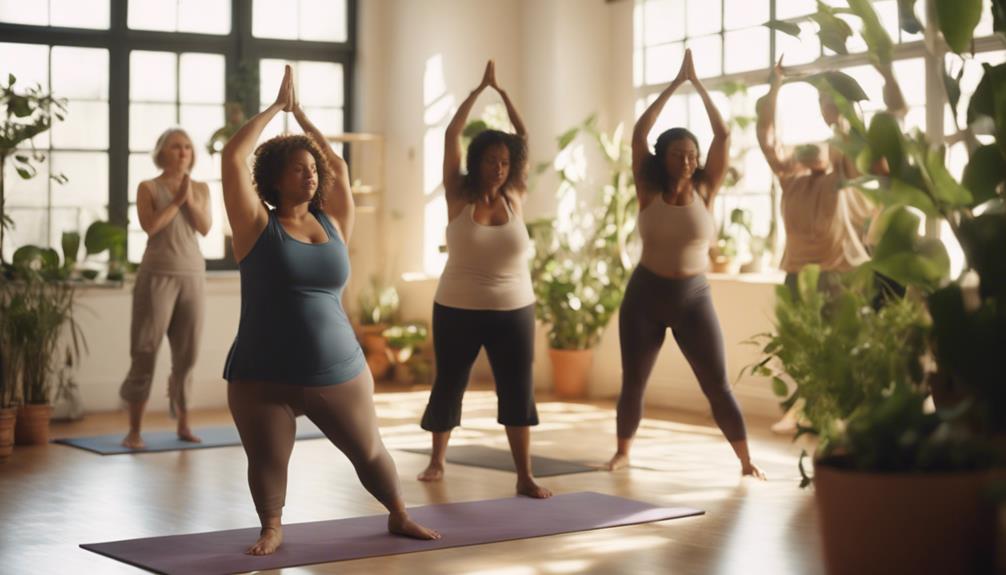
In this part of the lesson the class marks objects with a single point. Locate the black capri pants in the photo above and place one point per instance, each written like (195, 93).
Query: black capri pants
(458, 335)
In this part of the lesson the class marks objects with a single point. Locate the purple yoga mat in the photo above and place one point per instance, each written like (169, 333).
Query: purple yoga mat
(470, 523)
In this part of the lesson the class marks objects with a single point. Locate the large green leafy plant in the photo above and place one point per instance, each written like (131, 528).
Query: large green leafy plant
(891, 431)
(581, 260)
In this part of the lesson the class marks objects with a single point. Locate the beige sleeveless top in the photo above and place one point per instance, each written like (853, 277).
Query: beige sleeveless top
(487, 266)
(821, 222)
(174, 250)
(675, 238)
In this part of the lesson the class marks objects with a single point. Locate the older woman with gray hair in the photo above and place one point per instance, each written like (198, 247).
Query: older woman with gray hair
(168, 297)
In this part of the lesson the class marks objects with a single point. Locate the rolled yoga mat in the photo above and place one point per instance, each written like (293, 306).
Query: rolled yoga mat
(492, 458)
(471, 523)
(224, 436)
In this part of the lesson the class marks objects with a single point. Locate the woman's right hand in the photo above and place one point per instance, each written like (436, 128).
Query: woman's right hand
(285, 97)
(184, 193)
(777, 74)
(686, 70)
(489, 76)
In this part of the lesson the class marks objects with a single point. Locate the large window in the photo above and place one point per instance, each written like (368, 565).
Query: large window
(131, 69)
(731, 45)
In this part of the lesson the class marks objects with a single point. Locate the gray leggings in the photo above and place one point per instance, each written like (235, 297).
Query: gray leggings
(652, 304)
(265, 414)
(172, 305)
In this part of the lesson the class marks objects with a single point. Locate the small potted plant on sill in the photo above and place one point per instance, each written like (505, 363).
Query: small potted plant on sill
(378, 308)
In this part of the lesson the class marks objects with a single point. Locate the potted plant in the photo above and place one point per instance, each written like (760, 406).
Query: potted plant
(581, 261)
(378, 305)
(9, 380)
(900, 487)
(39, 304)
(404, 349)
(241, 87)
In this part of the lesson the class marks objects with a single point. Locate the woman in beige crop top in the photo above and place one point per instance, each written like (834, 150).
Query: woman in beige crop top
(168, 297)
(668, 290)
(484, 298)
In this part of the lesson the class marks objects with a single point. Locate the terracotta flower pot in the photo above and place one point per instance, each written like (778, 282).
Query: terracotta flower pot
(7, 417)
(905, 522)
(571, 372)
(375, 348)
(32, 427)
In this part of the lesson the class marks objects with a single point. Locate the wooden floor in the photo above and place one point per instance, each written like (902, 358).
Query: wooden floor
(53, 498)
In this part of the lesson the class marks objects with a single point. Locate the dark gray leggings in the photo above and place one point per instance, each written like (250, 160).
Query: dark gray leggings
(652, 304)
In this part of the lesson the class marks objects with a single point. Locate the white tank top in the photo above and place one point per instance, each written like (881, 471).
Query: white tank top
(487, 266)
(675, 238)
(174, 250)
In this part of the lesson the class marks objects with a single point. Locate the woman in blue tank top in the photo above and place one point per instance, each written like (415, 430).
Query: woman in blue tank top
(295, 352)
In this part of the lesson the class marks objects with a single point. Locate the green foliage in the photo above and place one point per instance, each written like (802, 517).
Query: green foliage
(836, 350)
(581, 263)
(378, 303)
(878, 42)
(957, 20)
(833, 31)
(909, 21)
(103, 236)
(25, 115)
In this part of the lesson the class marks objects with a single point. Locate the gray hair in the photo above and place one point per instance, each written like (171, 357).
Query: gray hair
(162, 141)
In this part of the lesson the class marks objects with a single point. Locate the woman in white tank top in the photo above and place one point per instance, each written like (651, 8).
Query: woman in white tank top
(485, 298)
(668, 289)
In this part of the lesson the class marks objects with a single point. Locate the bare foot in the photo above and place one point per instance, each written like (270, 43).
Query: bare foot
(269, 540)
(433, 472)
(618, 461)
(133, 441)
(406, 527)
(529, 488)
(751, 470)
(185, 434)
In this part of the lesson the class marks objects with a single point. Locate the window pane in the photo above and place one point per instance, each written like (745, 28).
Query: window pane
(911, 74)
(147, 122)
(152, 76)
(274, 19)
(637, 67)
(80, 73)
(704, 17)
(707, 53)
(33, 192)
(141, 167)
(136, 238)
(87, 175)
(323, 20)
(746, 50)
(202, 78)
(887, 11)
(29, 229)
(802, 50)
(93, 14)
(212, 246)
(319, 83)
(664, 21)
(663, 62)
(802, 122)
(790, 8)
(270, 73)
(152, 15)
(20, 12)
(200, 121)
(984, 27)
(85, 127)
(204, 16)
(28, 62)
(207, 167)
(744, 13)
(328, 120)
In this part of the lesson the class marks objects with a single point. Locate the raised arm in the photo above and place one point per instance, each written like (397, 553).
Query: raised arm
(718, 156)
(518, 125)
(765, 129)
(197, 209)
(338, 193)
(641, 131)
(245, 211)
(893, 98)
(452, 137)
(153, 220)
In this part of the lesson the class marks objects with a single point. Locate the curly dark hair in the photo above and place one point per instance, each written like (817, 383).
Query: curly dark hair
(517, 146)
(654, 169)
(270, 161)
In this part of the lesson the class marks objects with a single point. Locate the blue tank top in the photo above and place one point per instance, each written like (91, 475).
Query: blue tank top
(293, 328)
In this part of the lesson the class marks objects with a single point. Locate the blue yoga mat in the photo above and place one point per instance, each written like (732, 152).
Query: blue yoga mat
(224, 436)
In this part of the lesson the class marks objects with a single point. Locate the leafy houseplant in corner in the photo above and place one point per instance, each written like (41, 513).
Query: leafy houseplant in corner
(581, 258)
(378, 305)
(900, 487)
